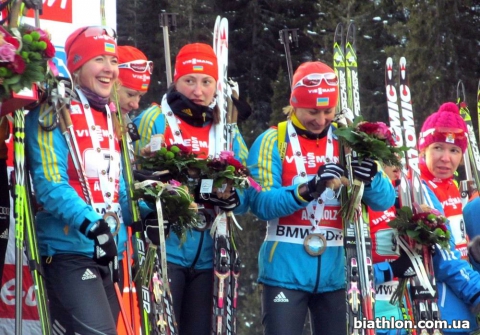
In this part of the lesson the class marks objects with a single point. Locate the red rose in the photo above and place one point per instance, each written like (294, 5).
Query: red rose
(367, 127)
(50, 50)
(18, 65)
(232, 161)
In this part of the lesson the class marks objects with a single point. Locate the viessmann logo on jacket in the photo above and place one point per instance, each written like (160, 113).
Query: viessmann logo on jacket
(311, 160)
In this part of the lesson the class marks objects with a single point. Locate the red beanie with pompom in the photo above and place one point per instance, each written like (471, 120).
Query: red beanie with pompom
(445, 126)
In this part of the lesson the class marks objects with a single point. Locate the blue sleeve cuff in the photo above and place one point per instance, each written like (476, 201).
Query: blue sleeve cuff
(382, 272)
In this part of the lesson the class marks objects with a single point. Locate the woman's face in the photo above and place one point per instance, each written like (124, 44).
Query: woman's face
(197, 87)
(443, 159)
(129, 99)
(99, 74)
(315, 120)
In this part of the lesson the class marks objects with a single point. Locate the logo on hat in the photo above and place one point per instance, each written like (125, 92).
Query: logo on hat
(321, 90)
(110, 47)
(76, 59)
(322, 102)
(198, 68)
(450, 137)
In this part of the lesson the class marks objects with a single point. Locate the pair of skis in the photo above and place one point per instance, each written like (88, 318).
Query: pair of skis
(422, 295)
(360, 294)
(226, 260)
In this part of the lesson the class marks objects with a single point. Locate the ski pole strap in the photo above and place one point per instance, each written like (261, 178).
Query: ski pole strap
(417, 266)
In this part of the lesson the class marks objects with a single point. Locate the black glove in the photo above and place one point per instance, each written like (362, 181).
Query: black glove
(402, 267)
(474, 249)
(364, 170)
(228, 204)
(243, 108)
(105, 250)
(151, 228)
(318, 184)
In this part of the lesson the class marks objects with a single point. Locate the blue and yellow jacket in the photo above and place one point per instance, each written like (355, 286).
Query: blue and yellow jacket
(63, 208)
(283, 260)
(197, 250)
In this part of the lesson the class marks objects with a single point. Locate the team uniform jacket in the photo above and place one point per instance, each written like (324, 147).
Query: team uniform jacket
(283, 260)
(57, 187)
(197, 250)
(458, 285)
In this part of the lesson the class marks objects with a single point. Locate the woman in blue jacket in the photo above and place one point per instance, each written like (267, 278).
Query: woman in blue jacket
(188, 115)
(80, 216)
(293, 176)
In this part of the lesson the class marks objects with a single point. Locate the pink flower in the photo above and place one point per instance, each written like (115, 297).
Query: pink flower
(113, 107)
(174, 183)
(226, 154)
(377, 129)
(7, 52)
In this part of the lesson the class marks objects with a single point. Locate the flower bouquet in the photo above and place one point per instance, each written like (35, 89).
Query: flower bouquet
(177, 162)
(372, 140)
(227, 170)
(420, 230)
(425, 228)
(24, 55)
(177, 205)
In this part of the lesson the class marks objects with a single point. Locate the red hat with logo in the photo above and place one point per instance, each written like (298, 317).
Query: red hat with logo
(196, 58)
(446, 126)
(314, 85)
(88, 42)
(134, 68)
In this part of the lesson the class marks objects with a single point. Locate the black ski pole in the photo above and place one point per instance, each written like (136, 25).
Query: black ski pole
(168, 21)
(288, 36)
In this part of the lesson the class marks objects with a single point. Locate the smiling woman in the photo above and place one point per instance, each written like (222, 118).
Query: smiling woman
(78, 183)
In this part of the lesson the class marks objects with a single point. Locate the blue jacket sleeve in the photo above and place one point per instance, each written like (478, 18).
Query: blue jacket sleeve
(265, 164)
(470, 212)
(380, 194)
(470, 215)
(451, 269)
(149, 122)
(48, 156)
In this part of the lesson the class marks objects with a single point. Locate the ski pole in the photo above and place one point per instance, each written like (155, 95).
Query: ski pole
(288, 36)
(168, 20)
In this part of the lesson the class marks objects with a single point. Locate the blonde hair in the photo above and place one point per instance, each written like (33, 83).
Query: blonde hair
(288, 111)
(117, 127)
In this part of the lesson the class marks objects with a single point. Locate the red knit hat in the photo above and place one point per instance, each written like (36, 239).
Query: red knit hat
(446, 125)
(88, 42)
(134, 68)
(196, 58)
(314, 85)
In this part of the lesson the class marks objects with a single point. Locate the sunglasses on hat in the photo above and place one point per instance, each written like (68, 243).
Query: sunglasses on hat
(140, 66)
(314, 79)
(450, 134)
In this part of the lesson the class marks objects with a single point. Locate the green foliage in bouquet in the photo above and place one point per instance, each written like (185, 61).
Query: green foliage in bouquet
(24, 54)
(371, 139)
(428, 228)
